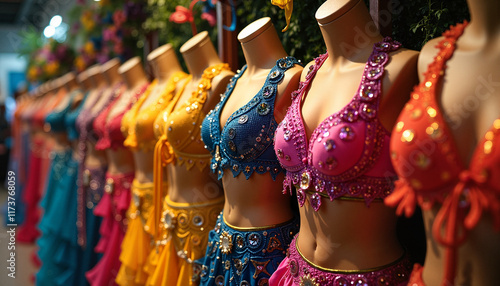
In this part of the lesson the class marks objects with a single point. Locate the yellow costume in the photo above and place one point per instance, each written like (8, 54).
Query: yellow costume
(138, 128)
(181, 231)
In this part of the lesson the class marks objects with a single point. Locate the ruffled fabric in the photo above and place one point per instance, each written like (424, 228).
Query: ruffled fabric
(28, 232)
(112, 208)
(58, 246)
(136, 245)
(416, 276)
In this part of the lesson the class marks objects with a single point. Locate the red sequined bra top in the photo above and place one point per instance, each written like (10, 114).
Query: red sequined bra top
(348, 153)
(108, 130)
(430, 170)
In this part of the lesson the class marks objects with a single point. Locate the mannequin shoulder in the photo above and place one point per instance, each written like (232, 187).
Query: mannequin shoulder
(427, 54)
(306, 70)
(221, 80)
(219, 84)
(402, 60)
(292, 77)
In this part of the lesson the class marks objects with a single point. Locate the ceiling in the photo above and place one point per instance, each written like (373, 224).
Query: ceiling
(11, 11)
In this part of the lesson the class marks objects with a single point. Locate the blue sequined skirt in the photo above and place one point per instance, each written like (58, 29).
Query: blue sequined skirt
(244, 256)
(58, 248)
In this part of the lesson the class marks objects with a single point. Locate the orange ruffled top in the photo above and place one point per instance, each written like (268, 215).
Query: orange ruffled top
(430, 170)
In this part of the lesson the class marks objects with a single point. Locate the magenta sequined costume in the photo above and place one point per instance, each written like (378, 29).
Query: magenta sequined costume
(348, 157)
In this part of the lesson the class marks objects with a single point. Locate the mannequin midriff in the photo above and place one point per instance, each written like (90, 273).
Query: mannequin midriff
(258, 201)
(97, 87)
(194, 185)
(346, 234)
(469, 101)
(164, 64)
(120, 160)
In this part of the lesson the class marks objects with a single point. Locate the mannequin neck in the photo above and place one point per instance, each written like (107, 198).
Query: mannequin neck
(484, 18)
(165, 65)
(99, 80)
(262, 51)
(200, 57)
(72, 84)
(112, 76)
(348, 30)
(134, 77)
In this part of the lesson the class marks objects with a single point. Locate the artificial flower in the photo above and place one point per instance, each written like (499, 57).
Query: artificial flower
(51, 68)
(119, 17)
(181, 15)
(210, 17)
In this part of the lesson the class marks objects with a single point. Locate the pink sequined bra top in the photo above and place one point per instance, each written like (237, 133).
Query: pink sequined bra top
(348, 153)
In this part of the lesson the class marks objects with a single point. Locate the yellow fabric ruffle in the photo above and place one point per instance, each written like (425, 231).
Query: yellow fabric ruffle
(136, 245)
(288, 6)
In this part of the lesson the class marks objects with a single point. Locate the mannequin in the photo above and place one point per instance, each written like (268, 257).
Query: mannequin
(135, 79)
(84, 80)
(191, 190)
(119, 175)
(473, 46)
(113, 82)
(261, 48)
(92, 170)
(39, 163)
(138, 127)
(58, 224)
(253, 202)
(347, 231)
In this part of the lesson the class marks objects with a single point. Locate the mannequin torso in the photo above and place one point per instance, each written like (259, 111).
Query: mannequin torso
(347, 234)
(164, 63)
(95, 158)
(258, 201)
(469, 98)
(120, 160)
(194, 185)
(107, 79)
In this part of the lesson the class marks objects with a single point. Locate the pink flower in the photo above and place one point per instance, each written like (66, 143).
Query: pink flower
(210, 17)
(119, 17)
(102, 58)
(109, 34)
(181, 15)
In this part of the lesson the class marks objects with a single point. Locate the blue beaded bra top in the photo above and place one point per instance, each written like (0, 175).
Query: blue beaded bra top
(243, 144)
(56, 119)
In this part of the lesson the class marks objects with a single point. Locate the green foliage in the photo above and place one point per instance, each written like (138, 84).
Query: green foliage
(423, 20)
(303, 38)
(417, 22)
(31, 41)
